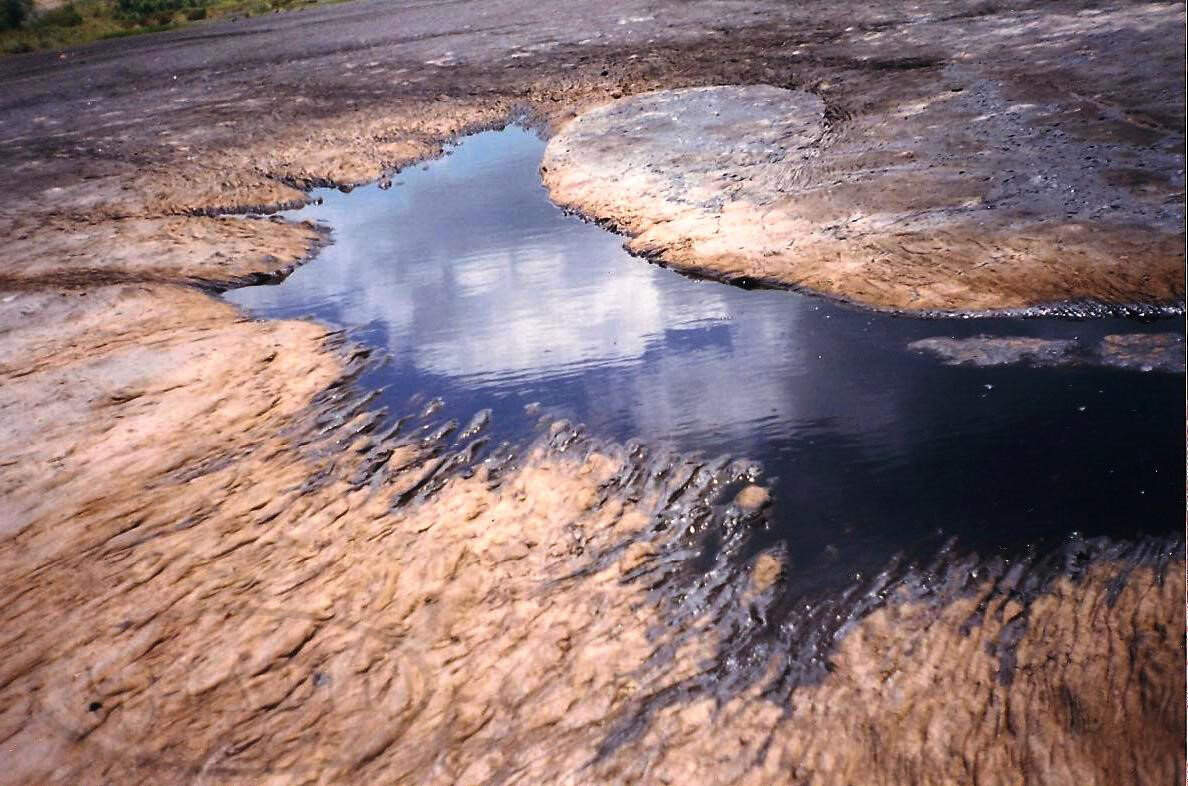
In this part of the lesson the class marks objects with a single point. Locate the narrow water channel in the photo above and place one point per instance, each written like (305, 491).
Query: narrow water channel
(486, 295)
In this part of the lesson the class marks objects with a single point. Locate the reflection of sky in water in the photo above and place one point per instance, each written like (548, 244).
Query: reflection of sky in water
(485, 294)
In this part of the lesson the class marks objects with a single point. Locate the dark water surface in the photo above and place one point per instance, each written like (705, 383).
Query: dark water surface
(488, 296)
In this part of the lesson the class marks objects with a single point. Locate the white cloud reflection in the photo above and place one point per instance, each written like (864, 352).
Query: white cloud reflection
(484, 293)
(475, 276)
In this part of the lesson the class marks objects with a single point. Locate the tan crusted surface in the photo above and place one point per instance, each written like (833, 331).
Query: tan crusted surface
(186, 604)
(966, 156)
(186, 551)
(952, 199)
(183, 606)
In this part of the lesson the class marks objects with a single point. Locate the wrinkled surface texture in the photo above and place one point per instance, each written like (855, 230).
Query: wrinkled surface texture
(963, 200)
(215, 569)
(1148, 353)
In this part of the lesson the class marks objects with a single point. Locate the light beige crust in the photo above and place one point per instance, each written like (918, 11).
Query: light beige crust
(952, 201)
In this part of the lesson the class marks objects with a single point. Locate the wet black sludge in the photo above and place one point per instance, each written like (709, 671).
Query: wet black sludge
(891, 468)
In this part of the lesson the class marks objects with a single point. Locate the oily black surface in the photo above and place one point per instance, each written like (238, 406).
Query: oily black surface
(486, 296)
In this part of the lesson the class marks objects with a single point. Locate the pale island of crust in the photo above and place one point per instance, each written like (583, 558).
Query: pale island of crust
(958, 200)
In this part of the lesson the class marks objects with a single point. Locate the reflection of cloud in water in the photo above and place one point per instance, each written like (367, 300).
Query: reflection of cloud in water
(495, 287)
(487, 295)
(506, 328)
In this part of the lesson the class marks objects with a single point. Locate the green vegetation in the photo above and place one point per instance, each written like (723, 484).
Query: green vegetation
(26, 28)
(13, 13)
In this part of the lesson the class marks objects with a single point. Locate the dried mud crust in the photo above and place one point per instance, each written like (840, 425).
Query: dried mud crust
(961, 203)
(303, 592)
(1138, 352)
(962, 156)
(218, 565)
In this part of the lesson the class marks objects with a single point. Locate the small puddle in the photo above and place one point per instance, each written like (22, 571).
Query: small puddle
(486, 295)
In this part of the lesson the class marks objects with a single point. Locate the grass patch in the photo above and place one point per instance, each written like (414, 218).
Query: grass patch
(62, 16)
(137, 31)
(24, 28)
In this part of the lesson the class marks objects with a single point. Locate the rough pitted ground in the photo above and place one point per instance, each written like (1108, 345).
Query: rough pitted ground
(959, 200)
(214, 569)
(1158, 352)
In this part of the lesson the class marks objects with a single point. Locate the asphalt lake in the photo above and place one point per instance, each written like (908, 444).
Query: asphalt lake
(484, 294)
